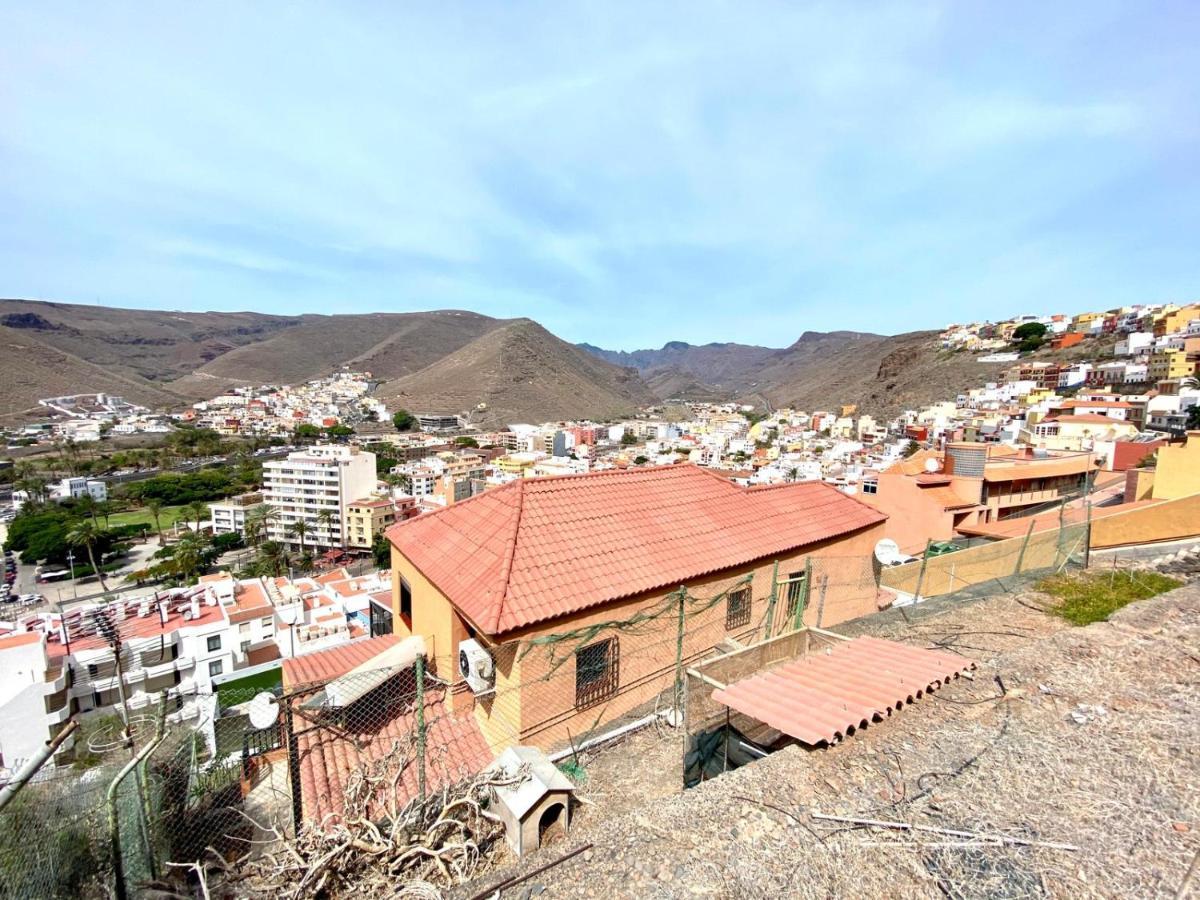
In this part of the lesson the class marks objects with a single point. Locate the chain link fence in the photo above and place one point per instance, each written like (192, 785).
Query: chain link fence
(373, 771)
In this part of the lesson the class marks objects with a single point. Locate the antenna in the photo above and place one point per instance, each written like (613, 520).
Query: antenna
(932, 465)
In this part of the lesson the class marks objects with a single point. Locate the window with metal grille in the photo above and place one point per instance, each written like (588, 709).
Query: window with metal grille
(737, 611)
(795, 594)
(597, 672)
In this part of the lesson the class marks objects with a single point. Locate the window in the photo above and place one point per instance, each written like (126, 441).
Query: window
(405, 599)
(244, 629)
(737, 612)
(870, 487)
(268, 624)
(597, 672)
(795, 594)
(214, 643)
(216, 667)
(245, 647)
(381, 620)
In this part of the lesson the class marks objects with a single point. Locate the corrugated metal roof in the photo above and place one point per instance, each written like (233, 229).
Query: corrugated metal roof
(829, 694)
(540, 548)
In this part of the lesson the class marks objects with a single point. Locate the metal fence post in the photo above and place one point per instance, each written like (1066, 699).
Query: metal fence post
(679, 657)
(798, 622)
(420, 674)
(1087, 538)
(921, 573)
(770, 617)
(114, 822)
(1024, 545)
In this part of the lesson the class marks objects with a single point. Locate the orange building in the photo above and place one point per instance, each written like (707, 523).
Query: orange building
(542, 577)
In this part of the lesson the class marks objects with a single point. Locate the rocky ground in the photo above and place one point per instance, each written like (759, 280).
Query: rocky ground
(1079, 736)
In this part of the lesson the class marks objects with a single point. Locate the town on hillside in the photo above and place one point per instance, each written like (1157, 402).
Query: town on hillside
(309, 614)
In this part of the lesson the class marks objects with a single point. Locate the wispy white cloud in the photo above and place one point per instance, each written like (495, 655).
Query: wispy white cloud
(626, 173)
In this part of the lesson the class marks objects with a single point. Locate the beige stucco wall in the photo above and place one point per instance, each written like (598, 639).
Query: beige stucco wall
(1178, 469)
(534, 700)
(1168, 521)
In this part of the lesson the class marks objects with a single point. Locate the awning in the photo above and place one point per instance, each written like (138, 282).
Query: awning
(830, 693)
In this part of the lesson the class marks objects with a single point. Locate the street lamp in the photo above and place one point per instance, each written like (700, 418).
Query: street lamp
(71, 562)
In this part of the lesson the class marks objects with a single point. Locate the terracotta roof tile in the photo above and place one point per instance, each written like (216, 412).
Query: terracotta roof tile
(319, 667)
(829, 694)
(540, 548)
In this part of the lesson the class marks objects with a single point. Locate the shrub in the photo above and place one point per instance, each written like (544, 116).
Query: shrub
(1094, 596)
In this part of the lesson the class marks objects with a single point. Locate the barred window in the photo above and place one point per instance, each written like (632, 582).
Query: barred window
(795, 594)
(737, 612)
(597, 672)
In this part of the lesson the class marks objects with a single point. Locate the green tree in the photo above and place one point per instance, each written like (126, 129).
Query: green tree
(274, 557)
(154, 507)
(298, 531)
(628, 439)
(86, 534)
(1193, 418)
(381, 550)
(196, 511)
(306, 433)
(640, 460)
(465, 441)
(403, 420)
(337, 431)
(326, 519)
(1029, 336)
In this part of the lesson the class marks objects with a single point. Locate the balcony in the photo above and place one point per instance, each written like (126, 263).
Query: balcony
(1024, 498)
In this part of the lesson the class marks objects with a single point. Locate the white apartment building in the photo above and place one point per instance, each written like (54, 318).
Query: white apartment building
(306, 484)
(229, 516)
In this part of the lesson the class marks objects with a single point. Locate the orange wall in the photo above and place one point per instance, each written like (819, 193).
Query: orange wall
(534, 700)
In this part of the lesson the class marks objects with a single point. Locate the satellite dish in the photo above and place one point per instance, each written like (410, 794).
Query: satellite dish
(932, 465)
(886, 551)
(263, 710)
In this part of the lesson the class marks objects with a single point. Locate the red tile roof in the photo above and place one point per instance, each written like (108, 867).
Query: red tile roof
(829, 694)
(315, 668)
(540, 548)
(327, 757)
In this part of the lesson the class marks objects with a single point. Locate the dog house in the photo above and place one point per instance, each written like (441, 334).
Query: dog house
(538, 805)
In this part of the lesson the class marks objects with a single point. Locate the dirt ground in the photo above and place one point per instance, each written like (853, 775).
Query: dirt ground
(1078, 736)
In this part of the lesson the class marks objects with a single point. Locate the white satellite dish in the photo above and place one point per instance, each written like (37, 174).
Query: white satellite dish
(932, 465)
(263, 710)
(886, 551)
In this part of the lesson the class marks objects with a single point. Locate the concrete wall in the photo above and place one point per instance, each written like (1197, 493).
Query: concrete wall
(1178, 469)
(1169, 521)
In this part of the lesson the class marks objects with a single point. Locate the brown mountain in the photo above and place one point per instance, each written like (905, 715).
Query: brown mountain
(31, 369)
(883, 375)
(521, 372)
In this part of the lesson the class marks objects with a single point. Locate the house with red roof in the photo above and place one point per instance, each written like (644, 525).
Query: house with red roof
(535, 575)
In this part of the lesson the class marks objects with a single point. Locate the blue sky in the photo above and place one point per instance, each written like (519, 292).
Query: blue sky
(625, 173)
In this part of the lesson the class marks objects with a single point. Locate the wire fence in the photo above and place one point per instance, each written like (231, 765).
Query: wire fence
(259, 786)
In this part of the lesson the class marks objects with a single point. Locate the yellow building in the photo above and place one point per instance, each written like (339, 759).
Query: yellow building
(1177, 471)
(1168, 364)
(1176, 320)
(1083, 322)
(367, 518)
(517, 463)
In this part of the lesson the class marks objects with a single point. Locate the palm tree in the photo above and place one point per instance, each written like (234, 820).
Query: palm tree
(86, 534)
(188, 556)
(274, 555)
(154, 507)
(326, 518)
(793, 474)
(196, 510)
(87, 505)
(299, 530)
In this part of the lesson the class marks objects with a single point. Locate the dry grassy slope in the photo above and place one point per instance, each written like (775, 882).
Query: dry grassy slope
(31, 369)
(386, 344)
(523, 373)
(883, 375)
(150, 344)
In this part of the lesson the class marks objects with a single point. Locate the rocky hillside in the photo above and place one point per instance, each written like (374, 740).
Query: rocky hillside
(521, 373)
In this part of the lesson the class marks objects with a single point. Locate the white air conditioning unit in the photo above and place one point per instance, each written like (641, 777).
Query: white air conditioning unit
(476, 666)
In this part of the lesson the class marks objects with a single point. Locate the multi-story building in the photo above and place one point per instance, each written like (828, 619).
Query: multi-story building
(229, 515)
(437, 422)
(315, 486)
(366, 518)
(1169, 364)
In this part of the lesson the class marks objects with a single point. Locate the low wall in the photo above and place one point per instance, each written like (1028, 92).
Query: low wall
(1171, 520)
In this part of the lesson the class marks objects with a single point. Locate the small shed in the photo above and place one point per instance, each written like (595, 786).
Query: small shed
(536, 805)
